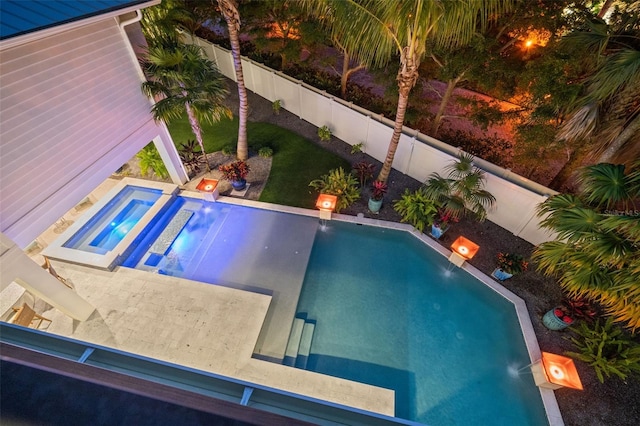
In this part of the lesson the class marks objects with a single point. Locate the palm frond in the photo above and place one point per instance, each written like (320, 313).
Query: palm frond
(605, 185)
(619, 69)
(580, 124)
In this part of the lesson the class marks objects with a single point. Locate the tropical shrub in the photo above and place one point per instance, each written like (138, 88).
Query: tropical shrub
(149, 158)
(363, 171)
(339, 183)
(512, 263)
(324, 133)
(607, 349)
(416, 208)
(357, 148)
(238, 170)
(265, 152)
(189, 152)
(596, 253)
(276, 106)
(462, 190)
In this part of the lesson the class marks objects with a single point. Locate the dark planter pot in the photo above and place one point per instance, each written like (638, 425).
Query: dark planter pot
(375, 205)
(239, 185)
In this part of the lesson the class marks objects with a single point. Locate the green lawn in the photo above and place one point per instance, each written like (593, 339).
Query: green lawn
(296, 160)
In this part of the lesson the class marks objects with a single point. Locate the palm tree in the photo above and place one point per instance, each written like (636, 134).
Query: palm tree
(229, 10)
(181, 78)
(608, 113)
(462, 190)
(381, 29)
(596, 253)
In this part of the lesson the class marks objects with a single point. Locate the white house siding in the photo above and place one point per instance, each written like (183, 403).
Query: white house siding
(71, 113)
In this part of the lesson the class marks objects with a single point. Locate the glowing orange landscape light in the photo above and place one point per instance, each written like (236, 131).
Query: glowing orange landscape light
(209, 187)
(326, 203)
(556, 371)
(465, 248)
(529, 43)
(462, 250)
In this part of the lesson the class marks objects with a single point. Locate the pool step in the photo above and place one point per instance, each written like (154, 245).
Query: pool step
(300, 339)
(293, 344)
(305, 344)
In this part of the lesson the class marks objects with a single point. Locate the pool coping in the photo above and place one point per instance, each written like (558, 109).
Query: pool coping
(107, 261)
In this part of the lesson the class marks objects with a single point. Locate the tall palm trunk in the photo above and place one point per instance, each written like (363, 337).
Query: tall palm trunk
(407, 78)
(618, 142)
(231, 15)
(197, 130)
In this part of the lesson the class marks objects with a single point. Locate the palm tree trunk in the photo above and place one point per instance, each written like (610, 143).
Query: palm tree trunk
(564, 179)
(230, 13)
(197, 131)
(437, 121)
(407, 77)
(605, 7)
(618, 142)
(346, 73)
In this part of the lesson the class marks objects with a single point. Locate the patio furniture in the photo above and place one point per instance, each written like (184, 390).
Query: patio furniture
(27, 317)
(47, 265)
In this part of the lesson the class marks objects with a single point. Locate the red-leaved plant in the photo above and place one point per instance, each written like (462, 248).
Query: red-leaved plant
(579, 308)
(444, 218)
(238, 170)
(378, 189)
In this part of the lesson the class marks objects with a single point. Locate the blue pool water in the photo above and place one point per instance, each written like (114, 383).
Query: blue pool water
(389, 313)
(112, 223)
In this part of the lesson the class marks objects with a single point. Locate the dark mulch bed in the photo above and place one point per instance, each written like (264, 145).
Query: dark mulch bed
(613, 403)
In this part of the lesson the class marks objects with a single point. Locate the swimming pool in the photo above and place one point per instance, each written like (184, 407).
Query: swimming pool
(391, 312)
(386, 309)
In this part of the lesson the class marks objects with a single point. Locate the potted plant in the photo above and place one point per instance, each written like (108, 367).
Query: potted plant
(441, 223)
(378, 189)
(509, 264)
(570, 310)
(236, 173)
(557, 318)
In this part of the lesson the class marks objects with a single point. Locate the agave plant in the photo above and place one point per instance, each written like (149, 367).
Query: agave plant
(596, 254)
(462, 190)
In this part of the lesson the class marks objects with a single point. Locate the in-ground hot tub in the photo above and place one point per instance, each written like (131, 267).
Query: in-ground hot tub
(108, 229)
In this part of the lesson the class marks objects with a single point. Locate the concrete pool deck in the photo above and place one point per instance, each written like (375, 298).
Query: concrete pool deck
(203, 326)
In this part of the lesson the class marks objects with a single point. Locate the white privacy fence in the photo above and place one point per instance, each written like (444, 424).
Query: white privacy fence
(418, 155)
